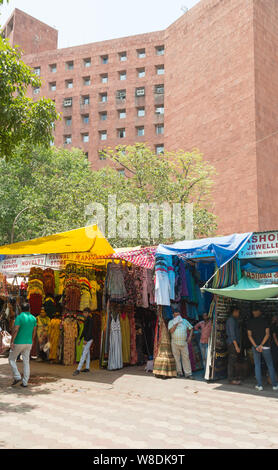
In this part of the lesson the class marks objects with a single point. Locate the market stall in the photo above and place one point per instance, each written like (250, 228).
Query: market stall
(75, 270)
(181, 271)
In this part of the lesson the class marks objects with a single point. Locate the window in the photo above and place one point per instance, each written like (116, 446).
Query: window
(121, 95)
(52, 86)
(122, 56)
(104, 78)
(159, 129)
(70, 65)
(140, 92)
(159, 110)
(122, 75)
(159, 89)
(68, 121)
(85, 118)
(37, 71)
(103, 116)
(104, 59)
(85, 99)
(160, 50)
(69, 84)
(53, 68)
(103, 97)
(85, 137)
(159, 149)
(86, 81)
(103, 135)
(67, 102)
(122, 113)
(87, 155)
(67, 139)
(36, 90)
(141, 53)
(140, 131)
(87, 62)
(160, 69)
(121, 133)
(141, 73)
(141, 112)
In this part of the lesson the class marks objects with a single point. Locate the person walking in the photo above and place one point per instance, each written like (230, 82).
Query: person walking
(25, 328)
(87, 334)
(233, 341)
(178, 328)
(205, 326)
(259, 336)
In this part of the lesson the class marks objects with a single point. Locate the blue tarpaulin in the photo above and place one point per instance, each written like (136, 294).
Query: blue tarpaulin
(223, 249)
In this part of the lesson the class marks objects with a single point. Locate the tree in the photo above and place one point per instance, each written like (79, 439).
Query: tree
(173, 177)
(22, 121)
(49, 191)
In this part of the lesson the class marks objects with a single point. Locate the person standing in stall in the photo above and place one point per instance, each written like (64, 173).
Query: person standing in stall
(205, 326)
(87, 334)
(24, 332)
(233, 342)
(259, 336)
(178, 328)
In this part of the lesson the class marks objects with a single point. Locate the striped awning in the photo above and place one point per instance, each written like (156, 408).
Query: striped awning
(143, 257)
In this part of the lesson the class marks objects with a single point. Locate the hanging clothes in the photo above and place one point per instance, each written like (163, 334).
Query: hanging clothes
(70, 335)
(164, 363)
(96, 335)
(133, 351)
(125, 331)
(54, 338)
(79, 347)
(115, 285)
(115, 359)
(163, 285)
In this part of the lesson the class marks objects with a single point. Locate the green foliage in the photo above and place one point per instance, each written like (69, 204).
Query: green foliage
(172, 177)
(50, 190)
(22, 121)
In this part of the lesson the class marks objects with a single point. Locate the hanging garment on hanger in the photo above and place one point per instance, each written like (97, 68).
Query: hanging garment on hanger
(115, 359)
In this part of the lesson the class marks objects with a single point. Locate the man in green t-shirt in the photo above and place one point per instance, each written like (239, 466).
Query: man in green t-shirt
(25, 328)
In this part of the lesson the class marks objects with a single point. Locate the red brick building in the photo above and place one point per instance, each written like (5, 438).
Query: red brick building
(214, 72)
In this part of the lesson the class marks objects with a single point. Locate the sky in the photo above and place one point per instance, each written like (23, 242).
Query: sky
(84, 21)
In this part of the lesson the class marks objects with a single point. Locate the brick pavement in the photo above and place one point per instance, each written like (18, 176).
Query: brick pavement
(132, 409)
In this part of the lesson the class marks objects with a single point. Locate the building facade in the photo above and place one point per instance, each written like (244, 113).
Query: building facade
(209, 81)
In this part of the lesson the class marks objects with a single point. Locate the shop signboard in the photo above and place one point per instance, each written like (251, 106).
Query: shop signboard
(263, 277)
(11, 266)
(261, 245)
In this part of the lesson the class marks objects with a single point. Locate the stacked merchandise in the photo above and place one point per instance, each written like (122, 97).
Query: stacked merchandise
(35, 291)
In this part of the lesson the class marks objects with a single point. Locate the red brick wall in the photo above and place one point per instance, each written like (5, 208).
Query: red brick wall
(95, 51)
(32, 35)
(266, 76)
(210, 101)
(221, 87)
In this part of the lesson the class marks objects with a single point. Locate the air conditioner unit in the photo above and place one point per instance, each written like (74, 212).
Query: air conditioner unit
(67, 103)
(140, 93)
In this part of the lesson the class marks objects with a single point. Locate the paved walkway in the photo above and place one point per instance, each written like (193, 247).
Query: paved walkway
(132, 409)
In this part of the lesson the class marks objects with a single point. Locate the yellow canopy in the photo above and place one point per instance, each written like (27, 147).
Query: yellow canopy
(86, 239)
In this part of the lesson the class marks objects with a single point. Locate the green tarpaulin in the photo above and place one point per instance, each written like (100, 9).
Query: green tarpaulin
(247, 289)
